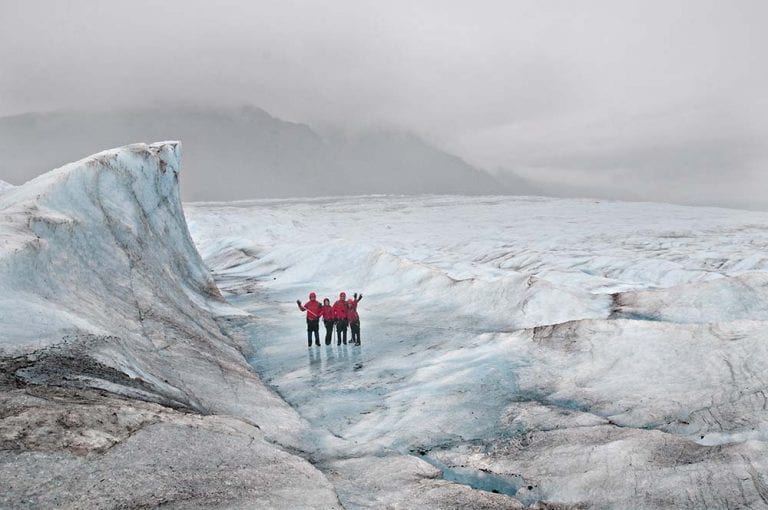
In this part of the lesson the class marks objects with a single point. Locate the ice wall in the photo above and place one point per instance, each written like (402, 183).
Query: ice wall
(107, 231)
(108, 312)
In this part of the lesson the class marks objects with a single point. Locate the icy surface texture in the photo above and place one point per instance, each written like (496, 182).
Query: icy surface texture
(589, 353)
(109, 322)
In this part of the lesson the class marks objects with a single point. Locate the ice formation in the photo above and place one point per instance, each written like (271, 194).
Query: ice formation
(516, 351)
(121, 385)
(586, 353)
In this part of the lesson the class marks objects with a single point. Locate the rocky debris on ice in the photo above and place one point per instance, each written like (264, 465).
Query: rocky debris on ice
(740, 297)
(79, 448)
(632, 373)
(397, 481)
(606, 466)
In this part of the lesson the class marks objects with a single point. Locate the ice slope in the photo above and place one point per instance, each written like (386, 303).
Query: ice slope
(741, 297)
(586, 352)
(4, 186)
(121, 384)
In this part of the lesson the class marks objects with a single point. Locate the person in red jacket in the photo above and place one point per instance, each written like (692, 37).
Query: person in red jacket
(326, 312)
(340, 318)
(312, 307)
(354, 318)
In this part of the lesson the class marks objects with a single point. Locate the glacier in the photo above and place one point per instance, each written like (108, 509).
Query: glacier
(564, 352)
(516, 351)
(120, 384)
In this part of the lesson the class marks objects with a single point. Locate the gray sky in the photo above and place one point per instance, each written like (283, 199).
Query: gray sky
(664, 98)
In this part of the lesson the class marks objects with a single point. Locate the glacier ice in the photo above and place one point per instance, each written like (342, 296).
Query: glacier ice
(590, 353)
(120, 383)
(551, 353)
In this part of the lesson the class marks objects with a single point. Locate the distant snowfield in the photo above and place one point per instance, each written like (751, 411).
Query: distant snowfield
(577, 351)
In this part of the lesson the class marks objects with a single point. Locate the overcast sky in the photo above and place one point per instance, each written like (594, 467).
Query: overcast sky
(659, 96)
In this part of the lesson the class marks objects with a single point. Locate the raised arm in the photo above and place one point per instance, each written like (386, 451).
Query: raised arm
(298, 302)
(357, 297)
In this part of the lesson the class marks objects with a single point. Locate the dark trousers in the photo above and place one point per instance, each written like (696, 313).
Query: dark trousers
(354, 328)
(341, 330)
(328, 331)
(313, 326)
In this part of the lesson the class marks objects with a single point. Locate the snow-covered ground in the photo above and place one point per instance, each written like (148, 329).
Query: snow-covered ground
(575, 351)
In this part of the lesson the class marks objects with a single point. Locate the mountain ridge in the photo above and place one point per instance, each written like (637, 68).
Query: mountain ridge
(252, 154)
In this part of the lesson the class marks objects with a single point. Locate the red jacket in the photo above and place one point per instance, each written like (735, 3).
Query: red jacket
(326, 312)
(340, 310)
(312, 308)
(352, 311)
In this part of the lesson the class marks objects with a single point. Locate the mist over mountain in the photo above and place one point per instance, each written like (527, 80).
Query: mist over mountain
(246, 153)
(564, 189)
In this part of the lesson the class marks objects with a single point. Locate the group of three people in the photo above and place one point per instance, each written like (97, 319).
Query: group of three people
(341, 314)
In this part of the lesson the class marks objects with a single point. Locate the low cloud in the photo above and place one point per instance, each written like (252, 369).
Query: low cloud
(647, 96)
